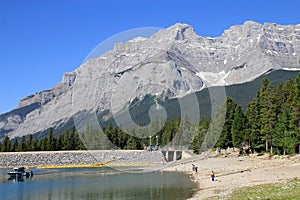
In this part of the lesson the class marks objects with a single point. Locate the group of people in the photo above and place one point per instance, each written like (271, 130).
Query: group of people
(194, 168)
(212, 173)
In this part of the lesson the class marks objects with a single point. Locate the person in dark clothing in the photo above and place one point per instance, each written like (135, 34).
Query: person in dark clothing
(195, 168)
(212, 175)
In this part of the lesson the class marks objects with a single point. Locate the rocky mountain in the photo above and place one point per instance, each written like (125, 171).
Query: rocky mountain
(171, 63)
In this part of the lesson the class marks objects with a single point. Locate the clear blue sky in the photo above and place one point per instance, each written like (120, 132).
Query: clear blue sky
(42, 39)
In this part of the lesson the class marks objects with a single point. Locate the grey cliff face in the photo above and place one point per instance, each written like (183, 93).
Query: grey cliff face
(173, 62)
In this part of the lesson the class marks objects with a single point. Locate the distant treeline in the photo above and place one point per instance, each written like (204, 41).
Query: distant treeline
(69, 140)
(271, 123)
(107, 138)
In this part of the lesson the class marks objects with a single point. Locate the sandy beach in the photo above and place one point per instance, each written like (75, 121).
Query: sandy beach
(235, 172)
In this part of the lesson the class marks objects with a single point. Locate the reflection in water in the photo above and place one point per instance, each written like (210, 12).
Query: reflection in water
(19, 178)
(97, 183)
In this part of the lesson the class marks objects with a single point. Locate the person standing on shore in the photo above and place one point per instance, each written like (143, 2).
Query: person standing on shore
(212, 175)
(195, 168)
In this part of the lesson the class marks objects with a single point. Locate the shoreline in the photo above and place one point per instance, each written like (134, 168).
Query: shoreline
(237, 172)
(231, 172)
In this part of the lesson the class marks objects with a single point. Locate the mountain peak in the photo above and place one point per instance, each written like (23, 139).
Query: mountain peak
(179, 26)
(178, 31)
(251, 23)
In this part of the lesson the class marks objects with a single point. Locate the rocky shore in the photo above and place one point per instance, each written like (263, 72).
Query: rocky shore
(60, 158)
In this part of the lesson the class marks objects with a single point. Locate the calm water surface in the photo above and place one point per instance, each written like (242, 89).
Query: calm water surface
(96, 183)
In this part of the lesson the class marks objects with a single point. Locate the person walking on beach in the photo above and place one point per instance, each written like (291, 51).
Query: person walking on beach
(195, 168)
(212, 175)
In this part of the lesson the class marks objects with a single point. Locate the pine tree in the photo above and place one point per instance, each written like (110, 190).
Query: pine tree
(51, 141)
(6, 146)
(123, 137)
(169, 132)
(184, 135)
(65, 141)
(78, 143)
(44, 144)
(200, 136)
(22, 145)
(213, 136)
(15, 146)
(253, 125)
(131, 143)
(35, 145)
(29, 143)
(238, 127)
(279, 98)
(71, 139)
(109, 132)
(289, 92)
(267, 112)
(284, 139)
(225, 139)
(59, 143)
(295, 113)
(116, 139)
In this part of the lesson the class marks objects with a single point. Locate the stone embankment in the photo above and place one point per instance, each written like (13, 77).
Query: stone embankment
(60, 158)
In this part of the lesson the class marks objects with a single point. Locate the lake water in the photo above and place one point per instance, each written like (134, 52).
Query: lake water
(96, 183)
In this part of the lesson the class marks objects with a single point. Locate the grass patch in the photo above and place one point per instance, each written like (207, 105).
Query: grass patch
(288, 190)
(218, 191)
